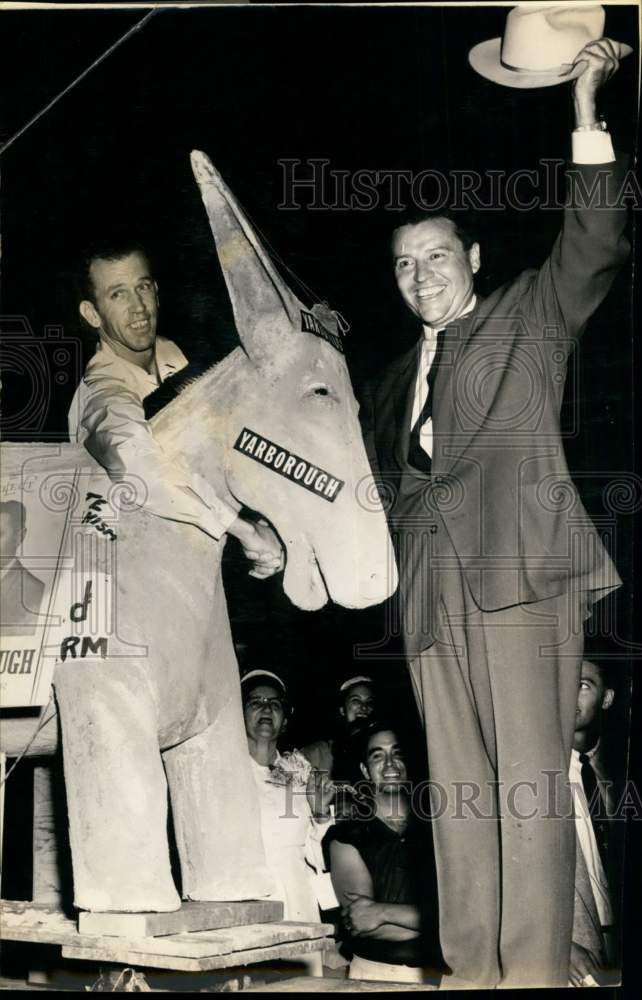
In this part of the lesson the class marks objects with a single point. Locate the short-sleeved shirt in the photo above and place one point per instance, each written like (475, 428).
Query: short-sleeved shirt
(402, 871)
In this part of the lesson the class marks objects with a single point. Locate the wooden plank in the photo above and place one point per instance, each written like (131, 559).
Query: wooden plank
(313, 984)
(118, 953)
(19, 907)
(38, 922)
(192, 916)
(17, 731)
(235, 939)
(46, 870)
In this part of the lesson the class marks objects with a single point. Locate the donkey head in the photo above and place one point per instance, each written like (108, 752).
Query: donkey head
(295, 450)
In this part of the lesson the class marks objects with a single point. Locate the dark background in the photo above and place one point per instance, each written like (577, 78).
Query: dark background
(366, 88)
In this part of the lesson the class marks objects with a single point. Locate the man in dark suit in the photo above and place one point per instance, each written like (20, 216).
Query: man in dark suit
(499, 562)
(597, 777)
(21, 592)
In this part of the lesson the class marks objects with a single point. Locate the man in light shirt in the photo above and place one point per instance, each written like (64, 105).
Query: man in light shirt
(496, 573)
(120, 303)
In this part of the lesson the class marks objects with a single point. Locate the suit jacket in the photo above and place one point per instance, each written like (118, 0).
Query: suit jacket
(500, 493)
(610, 771)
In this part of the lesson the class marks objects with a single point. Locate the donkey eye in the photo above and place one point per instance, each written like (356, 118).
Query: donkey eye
(321, 391)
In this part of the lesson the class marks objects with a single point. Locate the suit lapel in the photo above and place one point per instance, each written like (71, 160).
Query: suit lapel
(450, 439)
(404, 398)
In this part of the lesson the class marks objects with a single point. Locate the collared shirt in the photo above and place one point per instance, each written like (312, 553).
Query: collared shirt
(587, 841)
(108, 417)
(428, 350)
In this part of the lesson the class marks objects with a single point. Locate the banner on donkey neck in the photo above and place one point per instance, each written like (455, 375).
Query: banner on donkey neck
(310, 324)
(291, 466)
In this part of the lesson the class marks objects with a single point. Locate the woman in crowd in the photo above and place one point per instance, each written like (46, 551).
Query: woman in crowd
(356, 704)
(383, 871)
(295, 800)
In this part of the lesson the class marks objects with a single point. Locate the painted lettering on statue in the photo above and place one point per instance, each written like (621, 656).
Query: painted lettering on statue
(94, 517)
(95, 647)
(69, 647)
(78, 612)
(291, 466)
(17, 661)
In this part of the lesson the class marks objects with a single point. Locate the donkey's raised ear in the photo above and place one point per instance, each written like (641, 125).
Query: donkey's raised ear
(267, 313)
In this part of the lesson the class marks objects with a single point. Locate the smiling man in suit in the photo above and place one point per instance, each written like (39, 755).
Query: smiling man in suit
(496, 573)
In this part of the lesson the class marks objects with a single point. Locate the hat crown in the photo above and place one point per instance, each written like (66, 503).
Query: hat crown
(542, 37)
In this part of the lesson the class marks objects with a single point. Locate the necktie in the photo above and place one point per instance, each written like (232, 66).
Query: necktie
(594, 799)
(417, 457)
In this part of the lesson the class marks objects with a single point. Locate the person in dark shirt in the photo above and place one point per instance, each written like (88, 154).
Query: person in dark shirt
(383, 874)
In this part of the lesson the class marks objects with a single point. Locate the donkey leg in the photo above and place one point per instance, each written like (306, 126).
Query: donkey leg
(116, 788)
(215, 812)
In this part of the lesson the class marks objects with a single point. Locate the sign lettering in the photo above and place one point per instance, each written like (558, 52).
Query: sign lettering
(288, 465)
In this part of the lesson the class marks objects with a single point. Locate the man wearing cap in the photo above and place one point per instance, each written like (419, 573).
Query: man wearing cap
(496, 575)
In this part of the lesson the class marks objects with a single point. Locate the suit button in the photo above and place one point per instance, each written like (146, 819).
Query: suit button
(433, 529)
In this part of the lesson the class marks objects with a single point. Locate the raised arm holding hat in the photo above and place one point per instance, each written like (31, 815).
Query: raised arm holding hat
(540, 45)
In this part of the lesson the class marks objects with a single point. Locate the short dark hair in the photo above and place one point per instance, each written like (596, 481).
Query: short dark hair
(465, 222)
(605, 671)
(116, 249)
(365, 733)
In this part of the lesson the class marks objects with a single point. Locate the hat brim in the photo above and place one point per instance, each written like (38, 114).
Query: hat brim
(485, 59)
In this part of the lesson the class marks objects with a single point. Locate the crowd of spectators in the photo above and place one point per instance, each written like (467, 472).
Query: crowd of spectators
(348, 838)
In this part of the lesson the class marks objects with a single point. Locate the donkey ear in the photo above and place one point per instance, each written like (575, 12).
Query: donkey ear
(266, 311)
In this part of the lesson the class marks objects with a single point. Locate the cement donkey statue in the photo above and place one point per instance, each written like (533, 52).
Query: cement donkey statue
(274, 426)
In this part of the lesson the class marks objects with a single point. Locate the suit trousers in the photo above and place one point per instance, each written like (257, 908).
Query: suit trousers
(498, 692)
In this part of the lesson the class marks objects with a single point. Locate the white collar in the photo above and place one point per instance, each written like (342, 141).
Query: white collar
(430, 332)
(587, 753)
(167, 356)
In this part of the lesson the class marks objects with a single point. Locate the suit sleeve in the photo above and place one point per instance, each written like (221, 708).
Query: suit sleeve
(112, 423)
(586, 255)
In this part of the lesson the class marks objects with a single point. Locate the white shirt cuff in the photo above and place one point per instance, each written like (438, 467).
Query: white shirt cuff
(592, 147)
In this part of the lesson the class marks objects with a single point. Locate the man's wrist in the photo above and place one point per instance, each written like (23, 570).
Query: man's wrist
(243, 530)
(599, 125)
(585, 111)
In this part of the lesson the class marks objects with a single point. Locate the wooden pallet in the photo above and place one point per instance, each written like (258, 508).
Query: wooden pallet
(188, 951)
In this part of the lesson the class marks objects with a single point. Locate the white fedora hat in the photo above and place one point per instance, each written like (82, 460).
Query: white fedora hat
(540, 43)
